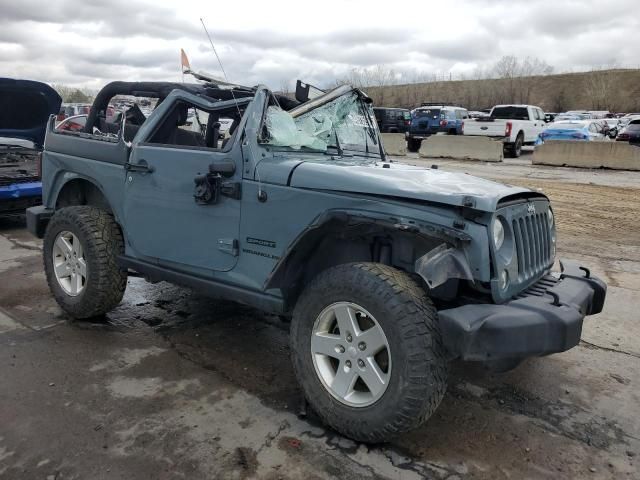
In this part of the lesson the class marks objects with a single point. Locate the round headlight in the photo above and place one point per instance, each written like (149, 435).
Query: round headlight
(504, 279)
(498, 234)
(550, 218)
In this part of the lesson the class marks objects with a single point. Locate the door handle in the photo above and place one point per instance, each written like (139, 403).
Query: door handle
(142, 166)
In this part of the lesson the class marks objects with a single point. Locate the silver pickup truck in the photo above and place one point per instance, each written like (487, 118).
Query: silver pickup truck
(514, 125)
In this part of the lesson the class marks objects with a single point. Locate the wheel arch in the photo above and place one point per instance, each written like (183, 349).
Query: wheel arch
(81, 190)
(339, 237)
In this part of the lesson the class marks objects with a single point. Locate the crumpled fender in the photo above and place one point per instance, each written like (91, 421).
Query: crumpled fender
(441, 264)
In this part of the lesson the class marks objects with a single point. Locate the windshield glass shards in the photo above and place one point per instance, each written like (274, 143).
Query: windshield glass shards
(345, 123)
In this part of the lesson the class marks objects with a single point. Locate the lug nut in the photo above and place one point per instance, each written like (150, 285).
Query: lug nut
(340, 349)
(348, 363)
(361, 363)
(362, 346)
(349, 338)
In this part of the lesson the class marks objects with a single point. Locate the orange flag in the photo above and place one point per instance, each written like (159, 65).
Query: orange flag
(185, 61)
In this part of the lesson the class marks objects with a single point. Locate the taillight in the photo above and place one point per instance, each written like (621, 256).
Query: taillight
(462, 129)
(39, 165)
(623, 136)
(407, 122)
(507, 129)
(443, 123)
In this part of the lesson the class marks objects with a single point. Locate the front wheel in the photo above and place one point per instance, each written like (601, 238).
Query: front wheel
(367, 351)
(80, 248)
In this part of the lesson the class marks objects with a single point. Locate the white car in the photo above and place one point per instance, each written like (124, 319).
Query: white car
(514, 125)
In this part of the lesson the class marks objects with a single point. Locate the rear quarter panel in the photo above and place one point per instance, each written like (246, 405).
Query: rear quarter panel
(69, 156)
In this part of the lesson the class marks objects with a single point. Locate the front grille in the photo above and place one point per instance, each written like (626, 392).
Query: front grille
(540, 288)
(533, 243)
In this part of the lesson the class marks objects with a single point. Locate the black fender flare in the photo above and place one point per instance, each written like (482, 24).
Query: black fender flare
(449, 235)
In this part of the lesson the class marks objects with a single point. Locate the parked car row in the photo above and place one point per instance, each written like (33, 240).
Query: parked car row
(515, 125)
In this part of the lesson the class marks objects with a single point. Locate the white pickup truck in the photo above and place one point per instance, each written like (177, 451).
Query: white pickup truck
(514, 125)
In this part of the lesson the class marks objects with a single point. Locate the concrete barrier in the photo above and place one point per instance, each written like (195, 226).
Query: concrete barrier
(394, 143)
(460, 147)
(616, 155)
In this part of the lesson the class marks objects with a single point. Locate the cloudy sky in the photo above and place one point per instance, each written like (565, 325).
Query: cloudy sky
(87, 43)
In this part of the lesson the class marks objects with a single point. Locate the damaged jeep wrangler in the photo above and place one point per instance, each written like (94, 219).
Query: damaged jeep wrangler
(386, 271)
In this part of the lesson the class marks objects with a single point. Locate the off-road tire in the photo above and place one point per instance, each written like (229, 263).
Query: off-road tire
(515, 150)
(413, 145)
(102, 242)
(410, 323)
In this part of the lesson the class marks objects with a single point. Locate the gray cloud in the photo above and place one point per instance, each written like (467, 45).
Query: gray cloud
(90, 42)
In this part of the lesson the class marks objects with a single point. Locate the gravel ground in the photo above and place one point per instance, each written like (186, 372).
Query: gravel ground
(174, 385)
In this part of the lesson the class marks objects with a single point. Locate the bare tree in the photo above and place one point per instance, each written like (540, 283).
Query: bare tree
(600, 88)
(507, 68)
(73, 95)
(530, 68)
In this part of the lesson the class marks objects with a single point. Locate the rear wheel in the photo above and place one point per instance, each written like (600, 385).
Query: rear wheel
(367, 351)
(413, 145)
(80, 248)
(515, 150)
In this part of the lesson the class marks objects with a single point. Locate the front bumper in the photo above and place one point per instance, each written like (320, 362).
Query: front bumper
(544, 319)
(37, 219)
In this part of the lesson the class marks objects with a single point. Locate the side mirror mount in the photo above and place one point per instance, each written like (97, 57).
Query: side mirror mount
(209, 187)
(225, 167)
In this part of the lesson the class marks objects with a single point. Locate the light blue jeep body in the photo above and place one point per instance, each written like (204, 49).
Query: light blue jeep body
(285, 214)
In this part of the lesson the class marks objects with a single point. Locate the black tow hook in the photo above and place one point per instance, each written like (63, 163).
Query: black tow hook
(556, 298)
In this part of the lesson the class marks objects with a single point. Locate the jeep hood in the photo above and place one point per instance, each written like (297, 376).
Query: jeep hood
(403, 181)
(25, 107)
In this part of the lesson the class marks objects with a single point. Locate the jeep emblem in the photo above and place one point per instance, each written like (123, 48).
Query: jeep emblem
(531, 208)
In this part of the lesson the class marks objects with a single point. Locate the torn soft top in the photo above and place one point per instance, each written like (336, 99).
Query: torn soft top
(158, 90)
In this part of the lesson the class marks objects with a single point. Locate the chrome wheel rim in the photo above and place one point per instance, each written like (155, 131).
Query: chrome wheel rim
(351, 354)
(69, 264)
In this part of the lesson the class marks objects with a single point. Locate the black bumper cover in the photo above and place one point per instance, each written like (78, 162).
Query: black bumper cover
(37, 219)
(546, 318)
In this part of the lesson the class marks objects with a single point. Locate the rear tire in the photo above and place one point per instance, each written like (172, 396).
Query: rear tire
(413, 145)
(414, 381)
(515, 150)
(81, 245)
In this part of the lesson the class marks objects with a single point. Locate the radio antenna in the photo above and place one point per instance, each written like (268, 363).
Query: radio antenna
(224, 74)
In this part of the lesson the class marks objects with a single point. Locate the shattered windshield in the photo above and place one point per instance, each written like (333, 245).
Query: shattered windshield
(345, 124)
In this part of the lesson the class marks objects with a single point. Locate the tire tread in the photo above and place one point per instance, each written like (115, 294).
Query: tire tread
(416, 317)
(107, 281)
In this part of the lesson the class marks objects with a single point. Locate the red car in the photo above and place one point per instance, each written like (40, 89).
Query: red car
(73, 124)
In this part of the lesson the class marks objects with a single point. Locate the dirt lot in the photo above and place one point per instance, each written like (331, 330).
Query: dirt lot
(174, 385)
